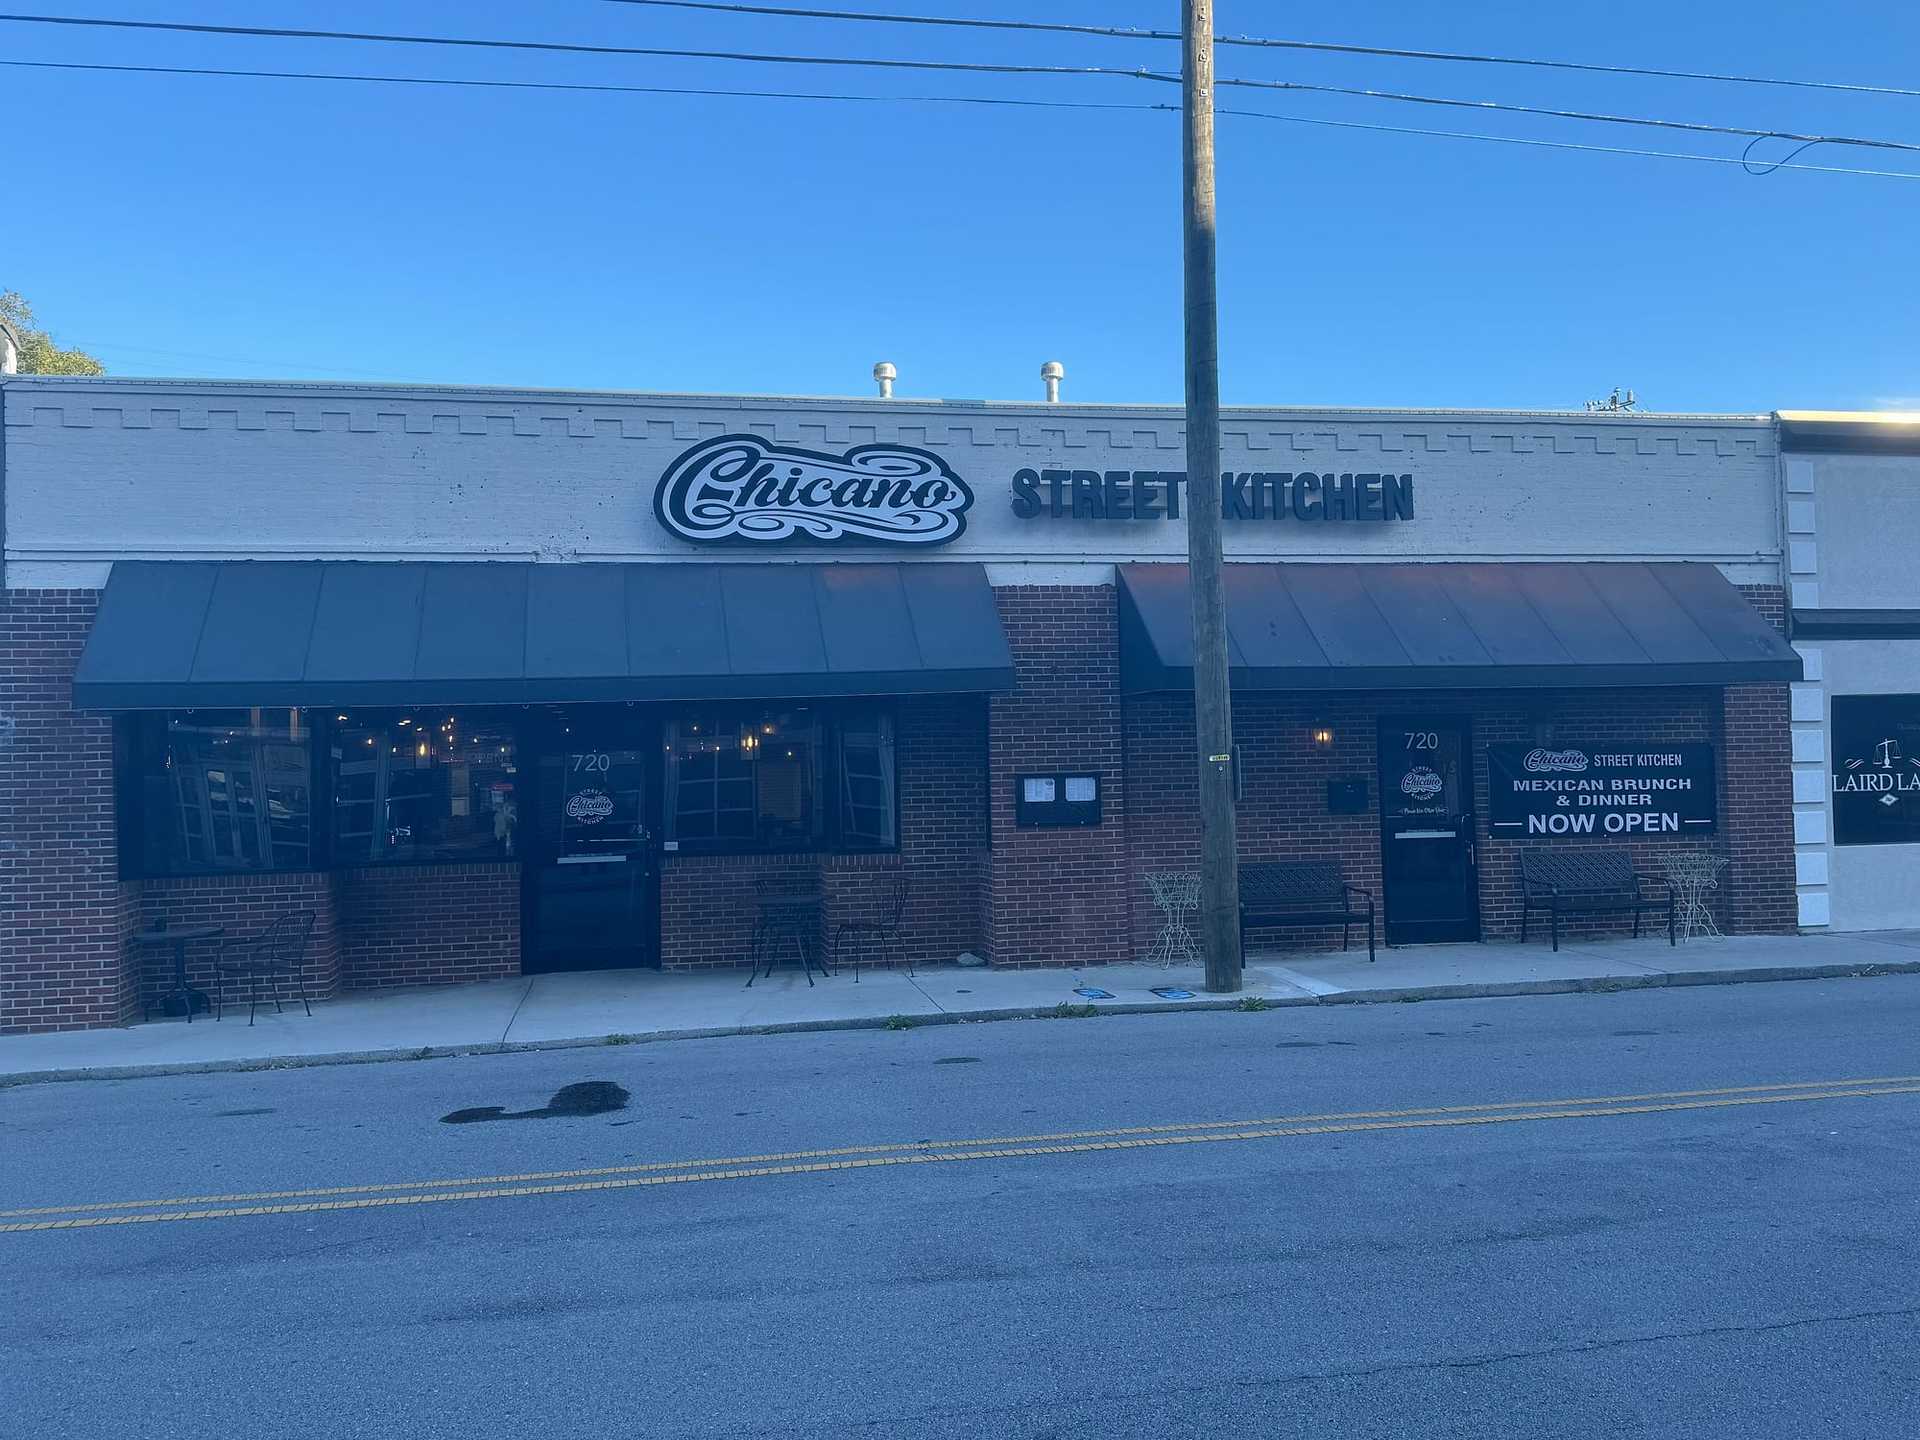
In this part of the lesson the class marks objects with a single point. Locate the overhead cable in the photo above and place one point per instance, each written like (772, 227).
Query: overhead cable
(258, 31)
(1696, 127)
(571, 48)
(981, 100)
(1118, 32)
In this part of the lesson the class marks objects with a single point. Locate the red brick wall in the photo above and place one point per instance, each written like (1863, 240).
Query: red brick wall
(1058, 895)
(63, 917)
(1284, 812)
(245, 905)
(428, 924)
(707, 903)
(1756, 802)
(1756, 787)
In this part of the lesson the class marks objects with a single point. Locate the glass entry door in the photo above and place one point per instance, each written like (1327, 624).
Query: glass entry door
(592, 893)
(1426, 831)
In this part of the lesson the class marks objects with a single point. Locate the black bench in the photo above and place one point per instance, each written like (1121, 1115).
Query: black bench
(1301, 892)
(1588, 882)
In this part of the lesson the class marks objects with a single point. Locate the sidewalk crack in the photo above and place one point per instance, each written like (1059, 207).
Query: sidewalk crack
(518, 1005)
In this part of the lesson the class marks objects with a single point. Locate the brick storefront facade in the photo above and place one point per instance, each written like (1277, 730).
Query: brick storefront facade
(1283, 811)
(1058, 895)
(64, 916)
(1021, 896)
(707, 901)
(428, 924)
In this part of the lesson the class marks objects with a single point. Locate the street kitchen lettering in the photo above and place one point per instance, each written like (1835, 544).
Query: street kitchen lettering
(1244, 495)
(1536, 792)
(741, 489)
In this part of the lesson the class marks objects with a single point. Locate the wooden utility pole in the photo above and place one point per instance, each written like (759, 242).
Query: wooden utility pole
(1212, 708)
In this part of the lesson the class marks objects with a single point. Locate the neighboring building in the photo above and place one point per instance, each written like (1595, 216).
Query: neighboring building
(504, 681)
(1852, 533)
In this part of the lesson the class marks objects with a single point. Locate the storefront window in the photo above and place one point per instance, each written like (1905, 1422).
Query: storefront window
(742, 778)
(223, 790)
(1876, 769)
(866, 782)
(414, 785)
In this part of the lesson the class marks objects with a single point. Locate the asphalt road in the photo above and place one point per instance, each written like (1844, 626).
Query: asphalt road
(1478, 1242)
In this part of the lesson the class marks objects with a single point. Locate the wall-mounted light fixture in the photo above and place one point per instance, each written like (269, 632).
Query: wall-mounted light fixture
(1321, 737)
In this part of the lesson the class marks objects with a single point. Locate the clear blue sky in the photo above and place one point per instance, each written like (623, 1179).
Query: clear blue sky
(274, 228)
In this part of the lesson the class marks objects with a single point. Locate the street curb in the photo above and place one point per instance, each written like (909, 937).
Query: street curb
(1588, 985)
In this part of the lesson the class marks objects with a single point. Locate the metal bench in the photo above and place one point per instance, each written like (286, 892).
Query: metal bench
(1588, 882)
(1301, 892)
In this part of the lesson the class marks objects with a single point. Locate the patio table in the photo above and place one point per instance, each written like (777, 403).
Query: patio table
(183, 999)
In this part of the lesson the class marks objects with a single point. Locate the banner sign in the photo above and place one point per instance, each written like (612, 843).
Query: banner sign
(1244, 495)
(741, 489)
(1535, 792)
(1876, 769)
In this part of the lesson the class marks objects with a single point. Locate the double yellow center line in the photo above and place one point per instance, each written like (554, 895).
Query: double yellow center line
(928, 1152)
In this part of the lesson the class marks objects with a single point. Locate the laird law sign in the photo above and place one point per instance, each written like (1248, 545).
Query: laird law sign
(1308, 496)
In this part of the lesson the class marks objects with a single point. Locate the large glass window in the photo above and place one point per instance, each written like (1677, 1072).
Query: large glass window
(411, 785)
(806, 778)
(223, 790)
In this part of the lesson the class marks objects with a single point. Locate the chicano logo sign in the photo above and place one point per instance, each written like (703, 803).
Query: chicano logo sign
(1420, 783)
(1547, 762)
(741, 489)
(589, 807)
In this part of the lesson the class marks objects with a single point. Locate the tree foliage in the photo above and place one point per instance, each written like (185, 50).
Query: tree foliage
(38, 354)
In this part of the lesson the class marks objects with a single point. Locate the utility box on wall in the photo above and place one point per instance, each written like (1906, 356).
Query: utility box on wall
(1060, 798)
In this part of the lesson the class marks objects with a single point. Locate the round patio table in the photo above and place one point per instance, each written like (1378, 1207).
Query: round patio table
(183, 999)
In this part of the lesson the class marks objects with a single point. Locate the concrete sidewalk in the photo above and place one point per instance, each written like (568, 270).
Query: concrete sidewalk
(623, 1006)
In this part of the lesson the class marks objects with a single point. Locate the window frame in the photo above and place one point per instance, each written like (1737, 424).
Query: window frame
(130, 800)
(334, 861)
(832, 839)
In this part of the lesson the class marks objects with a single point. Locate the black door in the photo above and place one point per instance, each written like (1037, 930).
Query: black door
(1426, 831)
(591, 899)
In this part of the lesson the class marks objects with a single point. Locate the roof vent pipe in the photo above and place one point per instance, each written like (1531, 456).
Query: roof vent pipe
(1051, 374)
(885, 374)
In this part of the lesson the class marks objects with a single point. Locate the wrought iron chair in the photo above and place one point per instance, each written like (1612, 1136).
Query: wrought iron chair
(788, 908)
(882, 927)
(280, 949)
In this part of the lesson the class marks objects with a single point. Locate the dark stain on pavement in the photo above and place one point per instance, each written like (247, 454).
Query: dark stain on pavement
(231, 1114)
(588, 1097)
(958, 1060)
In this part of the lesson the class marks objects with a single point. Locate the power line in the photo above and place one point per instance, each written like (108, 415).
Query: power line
(1497, 105)
(1751, 167)
(584, 86)
(1272, 43)
(568, 48)
(259, 31)
(982, 100)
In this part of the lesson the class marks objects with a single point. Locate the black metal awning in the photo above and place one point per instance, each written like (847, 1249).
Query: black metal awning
(1442, 625)
(179, 634)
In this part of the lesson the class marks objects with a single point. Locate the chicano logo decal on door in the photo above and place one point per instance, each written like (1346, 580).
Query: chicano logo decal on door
(741, 489)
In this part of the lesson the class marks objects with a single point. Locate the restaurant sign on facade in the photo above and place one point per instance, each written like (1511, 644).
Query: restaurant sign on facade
(745, 490)
(1536, 792)
(1876, 769)
(1310, 497)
